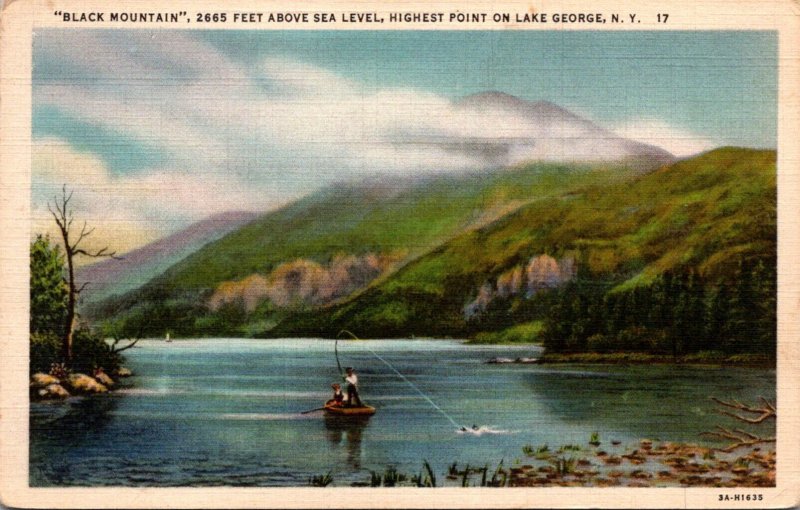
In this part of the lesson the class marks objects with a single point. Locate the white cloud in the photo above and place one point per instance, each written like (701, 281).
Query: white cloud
(253, 138)
(127, 212)
(678, 141)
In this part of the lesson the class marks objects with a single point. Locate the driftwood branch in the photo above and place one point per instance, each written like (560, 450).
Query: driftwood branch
(739, 436)
(765, 412)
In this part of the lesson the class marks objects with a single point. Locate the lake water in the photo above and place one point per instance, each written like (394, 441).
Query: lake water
(227, 411)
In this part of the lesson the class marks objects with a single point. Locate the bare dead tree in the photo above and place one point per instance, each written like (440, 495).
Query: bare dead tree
(741, 437)
(64, 219)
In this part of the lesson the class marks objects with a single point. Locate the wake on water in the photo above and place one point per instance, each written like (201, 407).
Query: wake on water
(265, 416)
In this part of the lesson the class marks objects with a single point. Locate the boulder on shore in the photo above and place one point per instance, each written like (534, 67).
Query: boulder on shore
(82, 383)
(42, 380)
(104, 379)
(53, 391)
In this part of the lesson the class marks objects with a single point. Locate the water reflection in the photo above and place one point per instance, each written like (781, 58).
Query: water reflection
(642, 400)
(347, 431)
(75, 423)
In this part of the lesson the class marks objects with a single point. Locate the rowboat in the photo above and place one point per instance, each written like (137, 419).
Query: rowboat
(335, 410)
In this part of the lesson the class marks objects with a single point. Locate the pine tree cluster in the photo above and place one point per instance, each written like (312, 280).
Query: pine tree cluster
(679, 313)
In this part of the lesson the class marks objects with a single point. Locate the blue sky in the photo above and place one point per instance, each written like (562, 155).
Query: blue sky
(156, 129)
(719, 84)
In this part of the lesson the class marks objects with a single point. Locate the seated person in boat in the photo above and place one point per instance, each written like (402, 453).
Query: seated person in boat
(353, 400)
(338, 396)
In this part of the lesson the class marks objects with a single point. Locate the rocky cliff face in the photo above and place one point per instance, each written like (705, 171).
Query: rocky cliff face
(303, 282)
(540, 273)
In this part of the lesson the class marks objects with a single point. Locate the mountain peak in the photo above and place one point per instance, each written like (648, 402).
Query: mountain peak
(498, 99)
(542, 130)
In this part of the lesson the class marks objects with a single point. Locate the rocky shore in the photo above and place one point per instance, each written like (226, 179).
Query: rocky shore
(50, 387)
(646, 465)
(600, 464)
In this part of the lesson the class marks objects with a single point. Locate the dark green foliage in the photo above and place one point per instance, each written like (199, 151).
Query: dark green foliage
(45, 349)
(48, 290)
(90, 351)
(679, 313)
(48, 294)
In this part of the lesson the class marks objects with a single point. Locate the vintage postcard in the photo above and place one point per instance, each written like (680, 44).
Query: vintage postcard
(388, 254)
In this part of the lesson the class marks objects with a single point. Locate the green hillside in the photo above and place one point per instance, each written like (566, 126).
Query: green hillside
(704, 215)
(406, 218)
(610, 239)
(378, 217)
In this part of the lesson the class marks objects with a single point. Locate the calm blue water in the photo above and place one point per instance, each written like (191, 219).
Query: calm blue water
(227, 411)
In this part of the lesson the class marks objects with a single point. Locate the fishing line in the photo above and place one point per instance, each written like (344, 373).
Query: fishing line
(423, 395)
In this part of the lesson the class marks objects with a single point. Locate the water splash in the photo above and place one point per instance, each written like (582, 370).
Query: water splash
(484, 429)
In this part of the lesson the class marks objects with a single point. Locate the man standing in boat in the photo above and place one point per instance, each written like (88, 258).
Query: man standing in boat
(353, 400)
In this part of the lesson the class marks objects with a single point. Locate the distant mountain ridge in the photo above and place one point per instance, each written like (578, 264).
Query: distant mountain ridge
(338, 245)
(116, 276)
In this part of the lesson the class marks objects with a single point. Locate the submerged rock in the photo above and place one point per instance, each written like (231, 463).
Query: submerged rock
(519, 360)
(123, 372)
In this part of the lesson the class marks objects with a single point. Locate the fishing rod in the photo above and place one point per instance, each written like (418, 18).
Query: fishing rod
(336, 347)
(413, 386)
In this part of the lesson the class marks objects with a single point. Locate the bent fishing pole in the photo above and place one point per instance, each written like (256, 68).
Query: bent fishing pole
(413, 386)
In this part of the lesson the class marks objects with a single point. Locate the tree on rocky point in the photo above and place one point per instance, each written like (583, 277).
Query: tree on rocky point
(72, 248)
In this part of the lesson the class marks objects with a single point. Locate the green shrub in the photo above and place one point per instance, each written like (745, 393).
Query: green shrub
(636, 339)
(89, 352)
(600, 343)
(45, 348)
(525, 333)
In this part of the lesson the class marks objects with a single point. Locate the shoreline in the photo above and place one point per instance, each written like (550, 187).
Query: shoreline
(604, 463)
(633, 358)
(704, 359)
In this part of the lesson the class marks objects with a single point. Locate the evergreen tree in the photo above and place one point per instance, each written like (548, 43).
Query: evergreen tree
(718, 329)
(48, 289)
(743, 306)
(764, 279)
